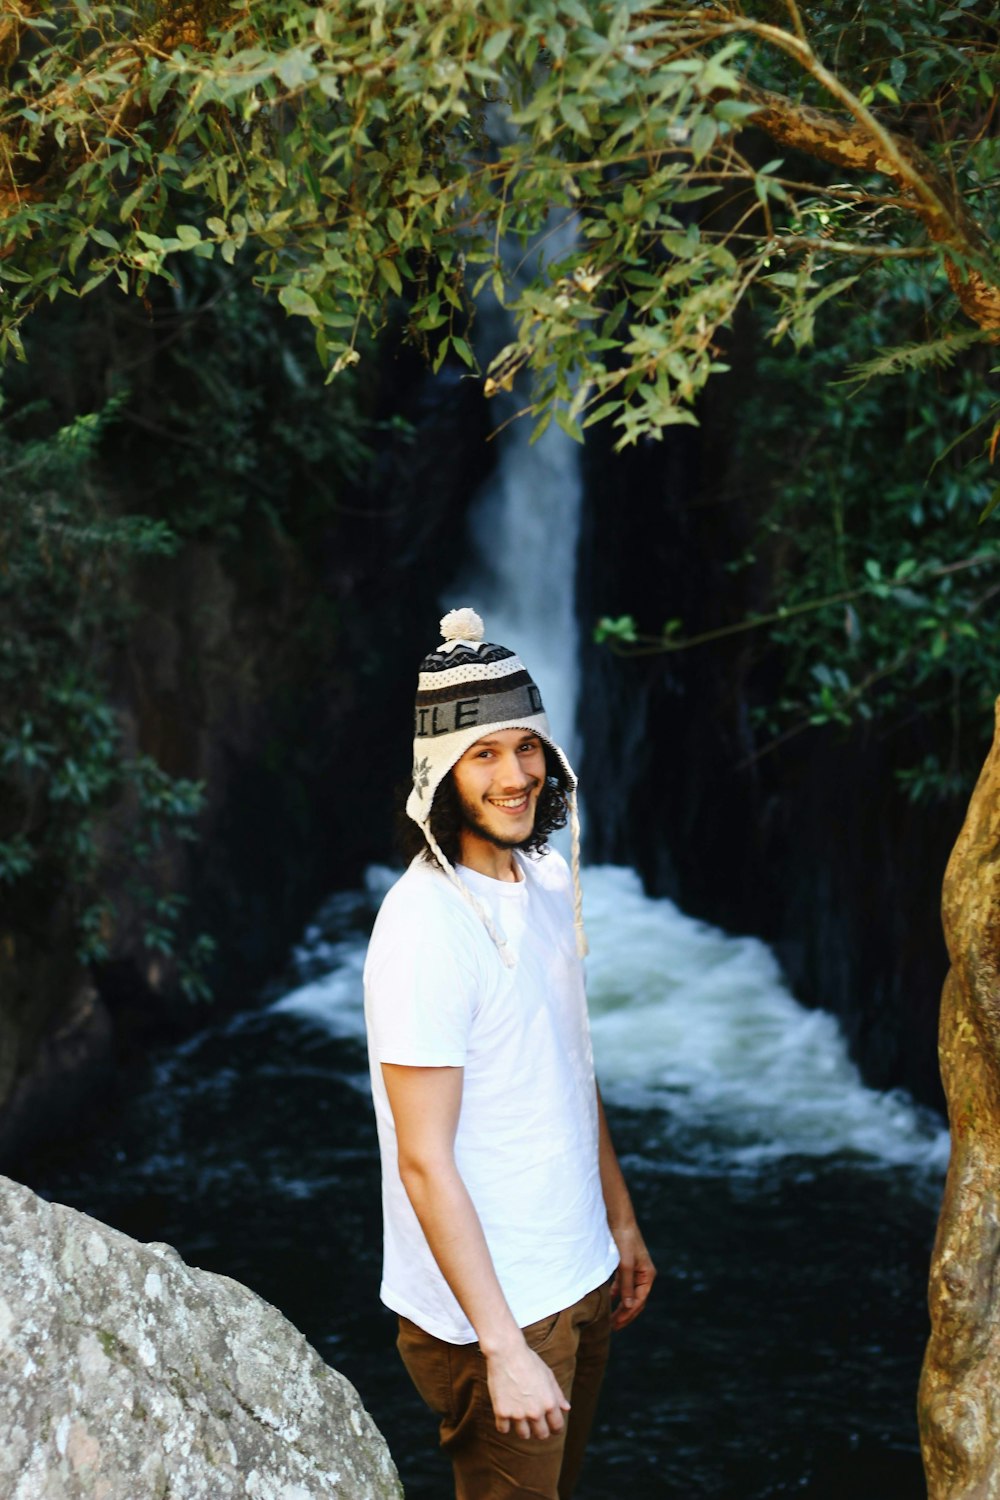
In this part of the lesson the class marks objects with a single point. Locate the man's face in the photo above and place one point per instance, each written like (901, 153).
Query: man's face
(498, 780)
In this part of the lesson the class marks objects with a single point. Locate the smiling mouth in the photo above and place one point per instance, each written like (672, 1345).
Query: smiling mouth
(510, 804)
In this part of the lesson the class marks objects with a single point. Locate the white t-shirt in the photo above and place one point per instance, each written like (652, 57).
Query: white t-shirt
(437, 994)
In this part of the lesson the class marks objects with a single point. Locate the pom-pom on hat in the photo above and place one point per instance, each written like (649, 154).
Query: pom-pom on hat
(468, 688)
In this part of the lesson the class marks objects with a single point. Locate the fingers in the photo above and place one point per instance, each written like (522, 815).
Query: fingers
(548, 1424)
(527, 1399)
(531, 1427)
(638, 1279)
(629, 1303)
(623, 1316)
(626, 1284)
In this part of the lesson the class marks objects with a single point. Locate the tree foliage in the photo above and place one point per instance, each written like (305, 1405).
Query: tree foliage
(375, 153)
(873, 593)
(887, 613)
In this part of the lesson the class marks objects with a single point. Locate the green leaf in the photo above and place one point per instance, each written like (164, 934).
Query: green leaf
(569, 425)
(573, 116)
(621, 629)
(297, 302)
(734, 110)
(541, 425)
(132, 202)
(606, 409)
(296, 68)
(94, 281)
(990, 506)
(496, 44)
(463, 351)
(77, 246)
(703, 137)
(389, 273)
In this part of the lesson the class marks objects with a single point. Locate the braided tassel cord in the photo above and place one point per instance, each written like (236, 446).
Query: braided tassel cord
(582, 946)
(499, 940)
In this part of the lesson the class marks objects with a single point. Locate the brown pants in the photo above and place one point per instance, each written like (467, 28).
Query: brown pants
(489, 1465)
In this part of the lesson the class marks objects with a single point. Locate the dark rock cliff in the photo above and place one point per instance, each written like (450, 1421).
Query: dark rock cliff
(270, 659)
(809, 843)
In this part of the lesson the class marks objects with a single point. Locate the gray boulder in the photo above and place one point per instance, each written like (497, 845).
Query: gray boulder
(127, 1375)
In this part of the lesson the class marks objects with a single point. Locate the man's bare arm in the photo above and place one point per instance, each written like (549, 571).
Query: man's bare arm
(636, 1272)
(425, 1105)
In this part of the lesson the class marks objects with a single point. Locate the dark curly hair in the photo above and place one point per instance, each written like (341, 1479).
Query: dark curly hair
(551, 813)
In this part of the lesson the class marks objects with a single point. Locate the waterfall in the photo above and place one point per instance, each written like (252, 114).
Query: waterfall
(524, 528)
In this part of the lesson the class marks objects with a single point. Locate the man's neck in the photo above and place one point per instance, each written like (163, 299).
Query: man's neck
(487, 858)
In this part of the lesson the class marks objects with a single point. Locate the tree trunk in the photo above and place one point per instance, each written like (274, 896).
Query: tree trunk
(960, 1385)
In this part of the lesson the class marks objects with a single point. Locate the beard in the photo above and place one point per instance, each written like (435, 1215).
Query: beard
(472, 821)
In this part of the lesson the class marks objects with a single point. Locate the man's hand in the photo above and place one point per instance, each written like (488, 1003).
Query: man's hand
(634, 1277)
(636, 1273)
(524, 1392)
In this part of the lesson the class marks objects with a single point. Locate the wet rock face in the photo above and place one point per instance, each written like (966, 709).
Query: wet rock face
(960, 1384)
(126, 1374)
(742, 827)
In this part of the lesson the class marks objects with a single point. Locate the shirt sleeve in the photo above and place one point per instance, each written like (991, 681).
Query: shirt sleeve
(420, 989)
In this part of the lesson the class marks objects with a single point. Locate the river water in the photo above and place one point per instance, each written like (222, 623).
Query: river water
(789, 1208)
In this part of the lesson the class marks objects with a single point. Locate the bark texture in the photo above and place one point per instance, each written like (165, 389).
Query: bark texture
(960, 1385)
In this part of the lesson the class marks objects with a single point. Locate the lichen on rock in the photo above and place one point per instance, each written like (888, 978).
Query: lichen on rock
(126, 1374)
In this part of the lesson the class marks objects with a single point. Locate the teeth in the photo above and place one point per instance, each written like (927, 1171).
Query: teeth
(509, 801)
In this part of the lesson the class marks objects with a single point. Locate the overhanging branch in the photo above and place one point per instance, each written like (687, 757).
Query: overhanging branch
(827, 137)
(863, 143)
(25, 178)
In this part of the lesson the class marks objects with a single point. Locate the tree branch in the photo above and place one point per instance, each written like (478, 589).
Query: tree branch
(25, 179)
(827, 137)
(865, 144)
(847, 247)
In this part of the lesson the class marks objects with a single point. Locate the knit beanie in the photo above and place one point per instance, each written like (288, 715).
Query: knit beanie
(468, 688)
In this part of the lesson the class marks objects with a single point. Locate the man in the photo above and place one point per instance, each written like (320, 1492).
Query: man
(511, 1246)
